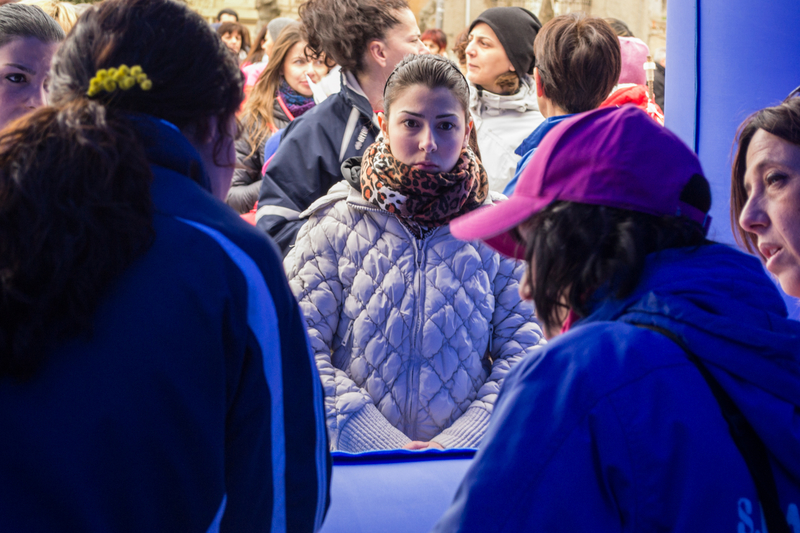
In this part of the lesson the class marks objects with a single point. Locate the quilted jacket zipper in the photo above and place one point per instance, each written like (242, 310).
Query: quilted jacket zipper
(416, 358)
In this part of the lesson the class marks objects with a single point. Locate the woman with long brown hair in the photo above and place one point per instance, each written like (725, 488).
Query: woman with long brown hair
(281, 94)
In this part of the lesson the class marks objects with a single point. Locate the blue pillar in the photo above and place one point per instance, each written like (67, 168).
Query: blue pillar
(725, 60)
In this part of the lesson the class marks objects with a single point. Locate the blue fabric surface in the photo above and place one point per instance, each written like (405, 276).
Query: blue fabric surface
(393, 491)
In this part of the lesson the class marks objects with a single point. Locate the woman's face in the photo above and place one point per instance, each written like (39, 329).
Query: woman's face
(486, 58)
(24, 75)
(772, 210)
(233, 41)
(432, 46)
(296, 66)
(426, 128)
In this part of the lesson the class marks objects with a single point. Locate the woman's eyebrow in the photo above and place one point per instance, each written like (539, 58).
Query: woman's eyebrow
(21, 67)
(421, 115)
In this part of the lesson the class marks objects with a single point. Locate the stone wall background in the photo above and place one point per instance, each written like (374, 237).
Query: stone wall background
(647, 19)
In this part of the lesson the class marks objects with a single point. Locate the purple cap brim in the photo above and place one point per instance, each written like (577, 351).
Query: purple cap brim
(492, 224)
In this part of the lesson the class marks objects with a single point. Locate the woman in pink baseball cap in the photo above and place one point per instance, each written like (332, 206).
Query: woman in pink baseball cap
(669, 400)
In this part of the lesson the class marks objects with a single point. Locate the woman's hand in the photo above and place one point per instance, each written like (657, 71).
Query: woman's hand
(422, 445)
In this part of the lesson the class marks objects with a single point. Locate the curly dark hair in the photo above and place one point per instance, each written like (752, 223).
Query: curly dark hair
(75, 204)
(573, 249)
(783, 121)
(343, 28)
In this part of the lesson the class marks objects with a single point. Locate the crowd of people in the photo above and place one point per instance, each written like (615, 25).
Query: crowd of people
(216, 271)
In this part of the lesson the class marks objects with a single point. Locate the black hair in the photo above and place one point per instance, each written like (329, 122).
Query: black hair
(18, 21)
(573, 249)
(75, 204)
(227, 11)
(342, 29)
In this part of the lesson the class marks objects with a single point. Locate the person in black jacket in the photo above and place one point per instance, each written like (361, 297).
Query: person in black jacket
(281, 94)
(367, 39)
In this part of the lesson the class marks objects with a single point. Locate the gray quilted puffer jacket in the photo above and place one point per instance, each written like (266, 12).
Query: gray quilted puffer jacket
(412, 337)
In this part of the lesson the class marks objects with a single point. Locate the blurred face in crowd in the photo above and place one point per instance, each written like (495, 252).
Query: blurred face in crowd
(486, 58)
(426, 128)
(24, 75)
(226, 17)
(266, 44)
(402, 39)
(233, 41)
(772, 210)
(432, 46)
(296, 66)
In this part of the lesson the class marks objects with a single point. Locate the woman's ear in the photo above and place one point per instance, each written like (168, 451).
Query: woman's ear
(376, 51)
(467, 131)
(384, 124)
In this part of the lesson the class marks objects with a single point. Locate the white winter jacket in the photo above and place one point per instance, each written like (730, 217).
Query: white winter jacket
(412, 337)
(503, 122)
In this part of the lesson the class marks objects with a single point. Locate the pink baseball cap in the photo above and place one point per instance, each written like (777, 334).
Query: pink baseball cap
(616, 157)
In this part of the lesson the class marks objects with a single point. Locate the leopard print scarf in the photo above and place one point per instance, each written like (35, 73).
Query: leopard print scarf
(423, 198)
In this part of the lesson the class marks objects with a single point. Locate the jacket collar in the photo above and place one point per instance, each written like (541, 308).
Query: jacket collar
(533, 140)
(356, 97)
(167, 147)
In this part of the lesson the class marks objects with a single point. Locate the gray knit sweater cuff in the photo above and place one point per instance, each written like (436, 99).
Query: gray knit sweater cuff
(467, 431)
(368, 430)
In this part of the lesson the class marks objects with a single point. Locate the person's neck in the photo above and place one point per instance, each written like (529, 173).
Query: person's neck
(372, 85)
(549, 109)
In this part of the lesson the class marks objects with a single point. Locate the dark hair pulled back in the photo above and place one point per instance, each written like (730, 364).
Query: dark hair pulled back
(573, 249)
(19, 21)
(75, 204)
(431, 71)
(343, 28)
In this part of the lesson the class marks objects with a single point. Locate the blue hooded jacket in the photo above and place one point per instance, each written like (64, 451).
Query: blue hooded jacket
(612, 428)
(193, 405)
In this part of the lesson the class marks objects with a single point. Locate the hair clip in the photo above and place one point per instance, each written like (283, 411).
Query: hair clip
(123, 78)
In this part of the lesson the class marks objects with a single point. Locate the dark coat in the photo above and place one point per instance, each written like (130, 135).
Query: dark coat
(308, 160)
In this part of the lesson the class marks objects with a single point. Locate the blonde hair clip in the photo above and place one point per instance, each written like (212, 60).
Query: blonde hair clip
(123, 78)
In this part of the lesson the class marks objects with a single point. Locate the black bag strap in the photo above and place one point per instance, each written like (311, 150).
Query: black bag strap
(744, 436)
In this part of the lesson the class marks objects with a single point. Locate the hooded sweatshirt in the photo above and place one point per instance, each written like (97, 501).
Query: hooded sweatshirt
(612, 428)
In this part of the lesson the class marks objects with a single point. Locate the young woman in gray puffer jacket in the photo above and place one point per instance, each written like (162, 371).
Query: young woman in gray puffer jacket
(413, 331)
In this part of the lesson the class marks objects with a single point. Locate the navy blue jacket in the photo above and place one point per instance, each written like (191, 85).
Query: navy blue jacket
(612, 428)
(307, 162)
(194, 405)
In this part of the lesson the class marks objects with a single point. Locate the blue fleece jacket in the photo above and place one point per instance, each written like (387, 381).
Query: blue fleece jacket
(612, 428)
(194, 405)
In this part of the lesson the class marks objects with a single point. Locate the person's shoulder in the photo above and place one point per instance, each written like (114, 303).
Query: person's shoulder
(600, 357)
(177, 198)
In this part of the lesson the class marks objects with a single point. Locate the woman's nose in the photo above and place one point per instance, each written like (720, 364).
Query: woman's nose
(428, 142)
(470, 49)
(753, 217)
(37, 97)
